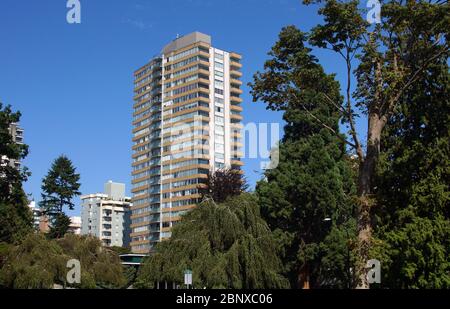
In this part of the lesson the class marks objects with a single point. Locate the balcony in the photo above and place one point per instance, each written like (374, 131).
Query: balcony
(235, 56)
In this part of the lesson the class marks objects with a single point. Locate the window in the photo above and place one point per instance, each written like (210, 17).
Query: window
(183, 54)
(219, 148)
(219, 129)
(219, 120)
(218, 56)
(219, 91)
(218, 65)
(219, 165)
(218, 73)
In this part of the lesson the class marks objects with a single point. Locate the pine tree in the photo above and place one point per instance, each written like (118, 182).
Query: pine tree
(59, 187)
(15, 216)
(313, 181)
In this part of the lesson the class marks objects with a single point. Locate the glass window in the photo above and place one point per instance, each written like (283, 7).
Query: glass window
(220, 148)
(220, 129)
(219, 120)
(219, 165)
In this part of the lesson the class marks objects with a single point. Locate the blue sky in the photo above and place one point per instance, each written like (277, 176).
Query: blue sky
(73, 82)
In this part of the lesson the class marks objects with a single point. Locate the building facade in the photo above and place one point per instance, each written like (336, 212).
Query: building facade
(107, 215)
(186, 122)
(16, 133)
(75, 225)
(41, 222)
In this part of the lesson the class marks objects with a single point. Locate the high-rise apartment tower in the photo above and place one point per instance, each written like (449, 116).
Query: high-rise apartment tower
(187, 122)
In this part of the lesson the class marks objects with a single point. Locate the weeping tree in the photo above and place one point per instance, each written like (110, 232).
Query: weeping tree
(40, 263)
(225, 245)
(223, 183)
(100, 267)
(36, 263)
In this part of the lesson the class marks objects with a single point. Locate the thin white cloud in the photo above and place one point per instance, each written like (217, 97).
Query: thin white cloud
(138, 23)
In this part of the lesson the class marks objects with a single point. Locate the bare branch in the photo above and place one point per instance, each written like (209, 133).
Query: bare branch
(351, 121)
(414, 77)
(325, 125)
(341, 109)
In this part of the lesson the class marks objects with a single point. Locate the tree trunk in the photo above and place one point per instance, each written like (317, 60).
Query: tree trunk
(365, 179)
(303, 278)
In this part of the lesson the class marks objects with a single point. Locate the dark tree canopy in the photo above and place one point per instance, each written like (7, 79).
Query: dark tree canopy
(15, 216)
(60, 226)
(223, 183)
(378, 57)
(60, 186)
(413, 185)
(313, 180)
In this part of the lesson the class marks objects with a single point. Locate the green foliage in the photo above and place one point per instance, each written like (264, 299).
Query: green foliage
(60, 186)
(15, 221)
(130, 273)
(15, 216)
(412, 180)
(100, 266)
(40, 263)
(226, 245)
(313, 180)
(60, 226)
(10, 182)
(120, 250)
(34, 264)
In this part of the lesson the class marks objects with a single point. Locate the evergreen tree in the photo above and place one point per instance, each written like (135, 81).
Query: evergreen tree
(60, 225)
(59, 187)
(225, 245)
(413, 229)
(306, 199)
(383, 74)
(15, 216)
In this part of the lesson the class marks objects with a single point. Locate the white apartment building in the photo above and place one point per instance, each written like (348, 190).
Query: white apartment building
(107, 215)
